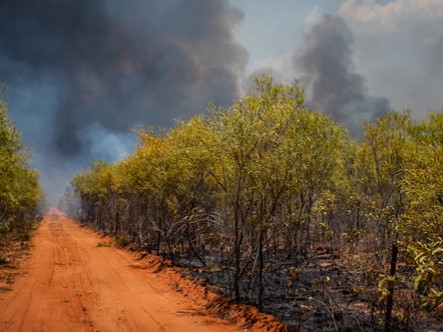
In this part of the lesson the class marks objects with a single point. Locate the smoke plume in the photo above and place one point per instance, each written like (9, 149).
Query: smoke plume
(82, 73)
(326, 65)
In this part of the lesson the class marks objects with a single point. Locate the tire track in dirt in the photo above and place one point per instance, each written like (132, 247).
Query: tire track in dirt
(72, 284)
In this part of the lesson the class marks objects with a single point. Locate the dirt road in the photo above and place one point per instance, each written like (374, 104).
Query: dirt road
(72, 284)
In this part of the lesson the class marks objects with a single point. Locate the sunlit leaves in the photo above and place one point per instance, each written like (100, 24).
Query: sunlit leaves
(254, 168)
(20, 192)
(268, 174)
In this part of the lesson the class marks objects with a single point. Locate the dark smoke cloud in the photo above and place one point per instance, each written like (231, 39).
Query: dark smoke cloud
(326, 66)
(81, 73)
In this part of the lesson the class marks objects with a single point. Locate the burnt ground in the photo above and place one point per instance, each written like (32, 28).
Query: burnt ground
(327, 292)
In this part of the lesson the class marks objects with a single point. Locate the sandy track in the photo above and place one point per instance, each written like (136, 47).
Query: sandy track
(74, 285)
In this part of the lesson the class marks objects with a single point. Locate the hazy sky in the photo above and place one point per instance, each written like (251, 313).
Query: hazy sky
(272, 31)
(82, 73)
(397, 44)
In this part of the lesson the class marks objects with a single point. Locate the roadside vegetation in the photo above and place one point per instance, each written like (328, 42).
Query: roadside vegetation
(20, 197)
(278, 206)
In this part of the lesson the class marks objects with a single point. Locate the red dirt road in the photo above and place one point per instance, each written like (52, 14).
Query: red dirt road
(71, 284)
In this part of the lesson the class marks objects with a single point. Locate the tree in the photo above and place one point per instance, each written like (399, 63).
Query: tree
(422, 223)
(20, 192)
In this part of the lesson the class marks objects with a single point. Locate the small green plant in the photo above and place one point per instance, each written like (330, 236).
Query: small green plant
(385, 282)
(429, 267)
(104, 244)
(4, 227)
(120, 241)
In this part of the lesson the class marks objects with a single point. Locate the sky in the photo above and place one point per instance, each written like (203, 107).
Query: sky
(397, 45)
(83, 75)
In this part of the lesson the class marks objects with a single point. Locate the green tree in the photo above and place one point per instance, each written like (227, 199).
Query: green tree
(20, 192)
(422, 223)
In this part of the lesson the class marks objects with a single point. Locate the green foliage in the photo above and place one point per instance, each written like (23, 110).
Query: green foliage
(385, 283)
(270, 175)
(4, 228)
(20, 192)
(104, 244)
(428, 258)
(385, 147)
(267, 165)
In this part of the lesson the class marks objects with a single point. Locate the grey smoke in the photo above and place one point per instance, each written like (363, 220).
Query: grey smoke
(327, 68)
(82, 73)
